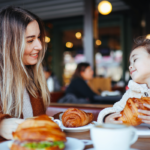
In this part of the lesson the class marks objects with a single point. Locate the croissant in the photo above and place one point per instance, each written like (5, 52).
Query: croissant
(40, 133)
(130, 112)
(74, 117)
(41, 128)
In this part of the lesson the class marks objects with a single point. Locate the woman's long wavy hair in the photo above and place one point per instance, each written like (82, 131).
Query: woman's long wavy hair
(14, 75)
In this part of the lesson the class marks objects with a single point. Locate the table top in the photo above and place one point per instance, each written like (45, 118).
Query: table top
(81, 105)
(140, 144)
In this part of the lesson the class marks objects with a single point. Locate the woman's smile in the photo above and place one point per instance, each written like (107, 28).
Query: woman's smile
(34, 55)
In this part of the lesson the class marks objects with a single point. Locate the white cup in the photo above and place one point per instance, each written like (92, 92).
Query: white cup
(113, 136)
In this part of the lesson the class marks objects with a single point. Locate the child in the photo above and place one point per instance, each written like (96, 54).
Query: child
(139, 85)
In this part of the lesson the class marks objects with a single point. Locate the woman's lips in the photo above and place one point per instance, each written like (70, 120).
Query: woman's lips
(132, 71)
(34, 55)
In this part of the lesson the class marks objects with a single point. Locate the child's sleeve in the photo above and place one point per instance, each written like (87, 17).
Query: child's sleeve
(117, 107)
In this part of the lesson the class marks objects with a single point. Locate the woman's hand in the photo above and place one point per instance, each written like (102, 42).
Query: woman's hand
(7, 126)
(145, 119)
(111, 118)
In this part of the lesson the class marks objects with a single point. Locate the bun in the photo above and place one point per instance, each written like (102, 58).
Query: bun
(74, 117)
(39, 121)
(38, 132)
(41, 128)
(130, 112)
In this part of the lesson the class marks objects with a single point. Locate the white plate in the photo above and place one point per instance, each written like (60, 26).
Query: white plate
(94, 149)
(143, 130)
(77, 129)
(71, 144)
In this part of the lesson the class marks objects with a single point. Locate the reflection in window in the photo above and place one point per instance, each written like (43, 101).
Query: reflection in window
(108, 55)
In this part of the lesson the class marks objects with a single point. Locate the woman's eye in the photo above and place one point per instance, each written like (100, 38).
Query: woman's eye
(39, 37)
(134, 60)
(30, 41)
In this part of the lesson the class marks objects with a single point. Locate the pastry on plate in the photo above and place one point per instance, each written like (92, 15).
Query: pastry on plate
(40, 133)
(74, 117)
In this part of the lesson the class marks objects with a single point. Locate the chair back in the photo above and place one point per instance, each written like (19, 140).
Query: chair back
(99, 84)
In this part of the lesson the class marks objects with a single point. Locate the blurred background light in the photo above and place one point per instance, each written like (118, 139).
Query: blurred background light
(47, 39)
(104, 7)
(98, 42)
(78, 35)
(148, 36)
(69, 45)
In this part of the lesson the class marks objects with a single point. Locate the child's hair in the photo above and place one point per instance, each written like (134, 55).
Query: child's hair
(142, 41)
(14, 75)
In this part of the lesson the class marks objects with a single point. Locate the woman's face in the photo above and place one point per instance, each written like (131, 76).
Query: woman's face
(33, 44)
(140, 65)
(87, 74)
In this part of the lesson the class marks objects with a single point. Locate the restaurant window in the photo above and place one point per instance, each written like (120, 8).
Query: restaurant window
(73, 53)
(108, 54)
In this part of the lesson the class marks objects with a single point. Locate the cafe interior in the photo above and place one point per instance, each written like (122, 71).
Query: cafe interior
(100, 32)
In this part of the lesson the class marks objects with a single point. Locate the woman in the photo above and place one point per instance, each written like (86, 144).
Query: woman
(78, 85)
(23, 90)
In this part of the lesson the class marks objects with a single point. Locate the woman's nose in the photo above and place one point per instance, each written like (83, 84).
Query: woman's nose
(38, 45)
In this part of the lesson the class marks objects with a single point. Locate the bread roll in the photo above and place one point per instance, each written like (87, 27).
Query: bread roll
(74, 117)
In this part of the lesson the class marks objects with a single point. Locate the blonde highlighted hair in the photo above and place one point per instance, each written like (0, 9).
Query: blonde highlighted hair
(14, 75)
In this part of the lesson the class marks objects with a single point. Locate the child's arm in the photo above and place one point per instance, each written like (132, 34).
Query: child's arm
(113, 111)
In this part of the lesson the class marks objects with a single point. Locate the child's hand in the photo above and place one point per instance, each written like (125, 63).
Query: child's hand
(145, 119)
(111, 118)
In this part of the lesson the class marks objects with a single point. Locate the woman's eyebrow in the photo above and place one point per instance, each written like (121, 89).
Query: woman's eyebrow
(31, 36)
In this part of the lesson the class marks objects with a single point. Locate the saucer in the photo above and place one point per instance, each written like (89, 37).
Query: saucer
(143, 130)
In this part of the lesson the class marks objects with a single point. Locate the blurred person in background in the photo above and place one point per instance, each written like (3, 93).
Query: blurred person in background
(52, 81)
(78, 90)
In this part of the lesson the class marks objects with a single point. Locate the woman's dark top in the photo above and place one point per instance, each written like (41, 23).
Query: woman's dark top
(80, 89)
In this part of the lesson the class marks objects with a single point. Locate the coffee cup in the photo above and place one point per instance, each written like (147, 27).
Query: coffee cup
(113, 136)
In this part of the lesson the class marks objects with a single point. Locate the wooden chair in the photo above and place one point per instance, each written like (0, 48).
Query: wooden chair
(99, 84)
(55, 96)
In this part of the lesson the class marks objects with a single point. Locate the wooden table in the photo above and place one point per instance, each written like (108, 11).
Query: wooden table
(140, 144)
(82, 105)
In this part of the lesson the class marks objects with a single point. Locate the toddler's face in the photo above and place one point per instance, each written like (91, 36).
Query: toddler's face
(140, 65)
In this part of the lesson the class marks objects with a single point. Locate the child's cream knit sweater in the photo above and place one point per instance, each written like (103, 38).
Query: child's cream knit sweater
(135, 90)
